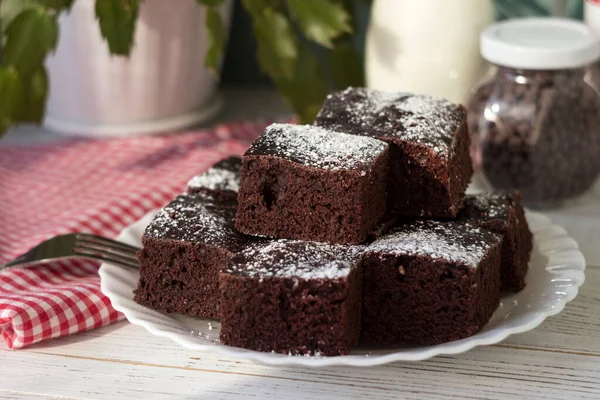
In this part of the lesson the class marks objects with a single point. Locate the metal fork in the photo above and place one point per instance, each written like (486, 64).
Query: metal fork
(78, 245)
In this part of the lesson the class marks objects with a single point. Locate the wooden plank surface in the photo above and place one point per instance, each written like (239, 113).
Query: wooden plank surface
(558, 360)
(32, 396)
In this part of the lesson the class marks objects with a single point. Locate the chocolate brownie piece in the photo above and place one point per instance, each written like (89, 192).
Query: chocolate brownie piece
(293, 297)
(222, 180)
(430, 165)
(430, 282)
(502, 213)
(305, 182)
(185, 247)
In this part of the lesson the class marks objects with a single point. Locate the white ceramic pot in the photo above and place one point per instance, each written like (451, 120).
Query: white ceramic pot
(163, 85)
(427, 46)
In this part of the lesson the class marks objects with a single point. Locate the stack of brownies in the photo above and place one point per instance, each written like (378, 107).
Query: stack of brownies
(354, 229)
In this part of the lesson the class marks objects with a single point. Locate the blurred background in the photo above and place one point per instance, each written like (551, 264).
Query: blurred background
(240, 66)
(94, 82)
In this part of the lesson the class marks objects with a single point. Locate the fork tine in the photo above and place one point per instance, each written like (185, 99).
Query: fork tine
(112, 258)
(78, 245)
(105, 251)
(99, 240)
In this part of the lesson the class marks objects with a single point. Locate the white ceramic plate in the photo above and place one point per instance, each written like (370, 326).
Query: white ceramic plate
(556, 272)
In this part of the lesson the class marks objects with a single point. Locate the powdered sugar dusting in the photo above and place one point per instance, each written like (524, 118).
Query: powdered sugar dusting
(296, 259)
(215, 179)
(488, 205)
(224, 175)
(317, 147)
(456, 242)
(427, 120)
(195, 218)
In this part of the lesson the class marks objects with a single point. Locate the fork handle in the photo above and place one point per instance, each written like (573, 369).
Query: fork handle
(13, 263)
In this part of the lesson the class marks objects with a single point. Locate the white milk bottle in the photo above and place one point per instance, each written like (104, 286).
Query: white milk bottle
(427, 46)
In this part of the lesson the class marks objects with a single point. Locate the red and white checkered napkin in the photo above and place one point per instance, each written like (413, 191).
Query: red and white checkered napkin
(87, 186)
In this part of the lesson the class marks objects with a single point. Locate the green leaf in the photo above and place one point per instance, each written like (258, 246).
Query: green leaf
(23, 99)
(346, 67)
(57, 5)
(9, 9)
(117, 20)
(10, 98)
(277, 46)
(29, 38)
(33, 98)
(320, 20)
(306, 90)
(216, 39)
(292, 67)
(210, 3)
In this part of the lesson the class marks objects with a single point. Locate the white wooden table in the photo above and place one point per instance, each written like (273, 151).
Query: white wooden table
(558, 360)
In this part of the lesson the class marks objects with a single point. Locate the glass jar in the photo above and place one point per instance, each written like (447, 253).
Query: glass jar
(535, 124)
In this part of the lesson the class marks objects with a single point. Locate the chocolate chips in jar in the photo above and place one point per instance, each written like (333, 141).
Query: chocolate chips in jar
(537, 130)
